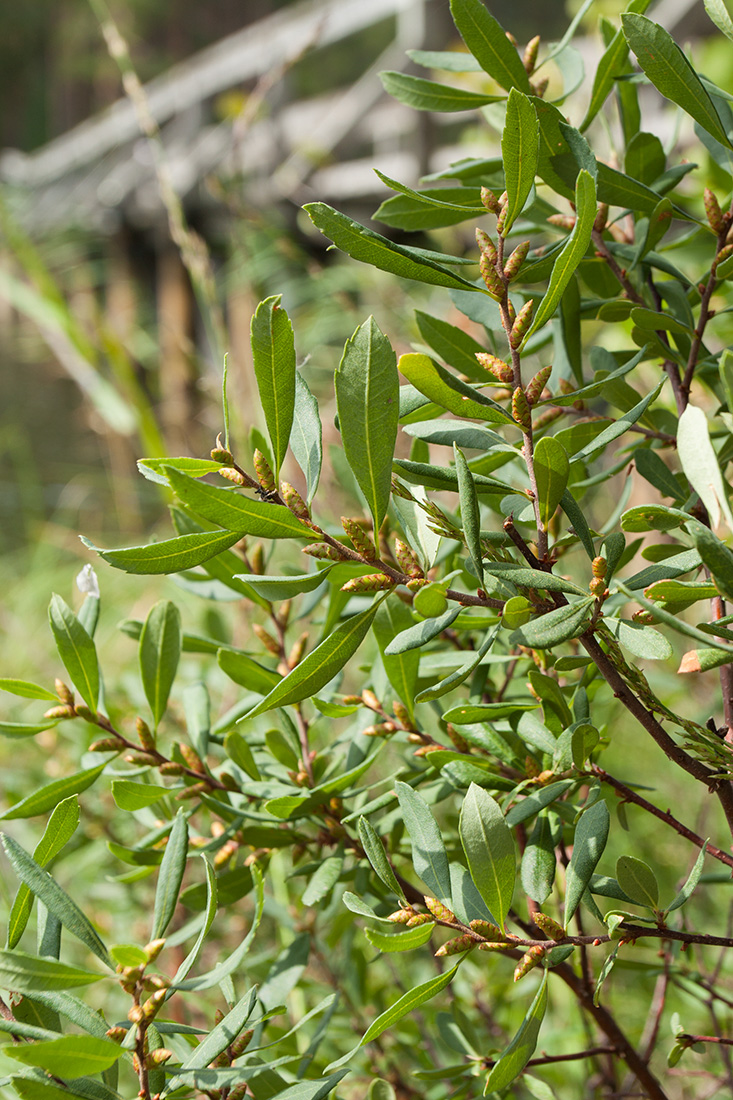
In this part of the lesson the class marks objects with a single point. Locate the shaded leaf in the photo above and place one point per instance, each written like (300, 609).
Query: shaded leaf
(448, 391)
(284, 588)
(637, 879)
(692, 880)
(591, 834)
(61, 827)
(700, 464)
(69, 1056)
(391, 621)
(306, 435)
(470, 513)
(421, 633)
(460, 674)
(231, 509)
(555, 627)
(30, 974)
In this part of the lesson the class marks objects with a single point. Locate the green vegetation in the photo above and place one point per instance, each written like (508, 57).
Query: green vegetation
(418, 806)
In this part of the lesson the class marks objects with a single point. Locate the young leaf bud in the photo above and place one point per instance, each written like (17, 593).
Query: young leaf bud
(141, 758)
(191, 758)
(401, 916)
(235, 476)
(599, 567)
(372, 582)
(520, 409)
(107, 744)
(296, 653)
(65, 694)
(267, 639)
(418, 583)
(136, 1014)
(419, 918)
(143, 731)
(547, 417)
(117, 1034)
(529, 961)
(490, 201)
(501, 221)
(222, 454)
(323, 551)
(562, 221)
(406, 559)
(485, 243)
(439, 911)
(66, 710)
(153, 949)
(456, 946)
(529, 60)
(549, 926)
(724, 254)
(486, 928)
(511, 37)
(521, 324)
(495, 946)
(170, 767)
(713, 211)
(601, 217)
(294, 501)
(264, 472)
(501, 371)
(511, 311)
(537, 384)
(402, 715)
(376, 731)
(370, 700)
(240, 1045)
(154, 1003)
(515, 261)
(539, 87)
(160, 1056)
(360, 540)
(491, 278)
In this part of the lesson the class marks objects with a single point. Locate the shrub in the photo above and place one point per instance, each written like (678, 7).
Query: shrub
(482, 625)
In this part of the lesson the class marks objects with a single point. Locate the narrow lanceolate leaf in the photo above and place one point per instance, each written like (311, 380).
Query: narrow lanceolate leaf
(553, 628)
(573, 251)
(371, 248)
(455, 678)
(520, 151)
(30, 974)
(609, 67)
(416, 997)
(231, 509)
(442, 387)
(46, 798)
(470, 514)
(273, 357)
(16, 730)
(306, 436)
(421, 633)
(209, 913)
(56, 900)
(551, 467)
(428, 95)
(718, 13)
(76, 650)
(61, 827)
(375, 853)
(284, 588)
(70, 1055)
(613, 431)
(27, 690)
(218, 1039)
(489, 847)
(715, 554)
(637, 879)
(692, 880)
(700, 464)
(671, 73)
(520, 1050)
(169, 556)
(591, 835)
(320, 666)
(367, 399)
(170, 876)
(392, 619)
(160, 650)
(487, 41)
(403, 941)
(429, 857)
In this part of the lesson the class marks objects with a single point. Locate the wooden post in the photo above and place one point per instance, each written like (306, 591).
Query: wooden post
(175, 337)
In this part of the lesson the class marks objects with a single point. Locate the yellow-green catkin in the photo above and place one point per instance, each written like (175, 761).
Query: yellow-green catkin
(537, 384)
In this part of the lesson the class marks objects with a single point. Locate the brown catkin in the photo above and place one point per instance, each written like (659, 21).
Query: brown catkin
(529, 961)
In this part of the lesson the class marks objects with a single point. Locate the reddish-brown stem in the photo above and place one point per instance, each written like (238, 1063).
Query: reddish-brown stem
(690, 1039)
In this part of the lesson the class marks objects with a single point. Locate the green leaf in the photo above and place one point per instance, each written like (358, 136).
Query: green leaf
(429, 857)
(135, 796)
(240, 754)
(611, 65)
(642, 641)
(637, 879)
(520, 1050)
(618, 427)
(487, 41)
(653, 517)
(657, 473)
(371, 248)
(421, 633)
(69, 1056)
(555, 627)
(402, 668)
(427, 95)
(30, 974)
(677, 623)
(76, 650)
(573, 251)
(539, 862)
(321, 665)
(170, 876)
(445, 477)
(671, 73)
(284, 588)
(376, 855)
(218, 1039)
(248, 673)
(551, 467)
(231, 509)
(169, 556)
(411, 1000)
(160, 651)
(470, 513)
(46, 798)
(715, 555)
(61, 827)
(520, 151)
(524, 577)
(451, 61)
(489, 847)
(700, 464)
(460, 674)
(367, 400)
(56, 900)
(442, 387)
(273, 358)
(33, 1088)
(591, 835)
(306, 440)
(27, 690)
(325, 878)
(702, 660)
(456, 347)
(152, 468)
(692, 880)
(483, 712)
(402, 941)
(718, 13)
(26, 729)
